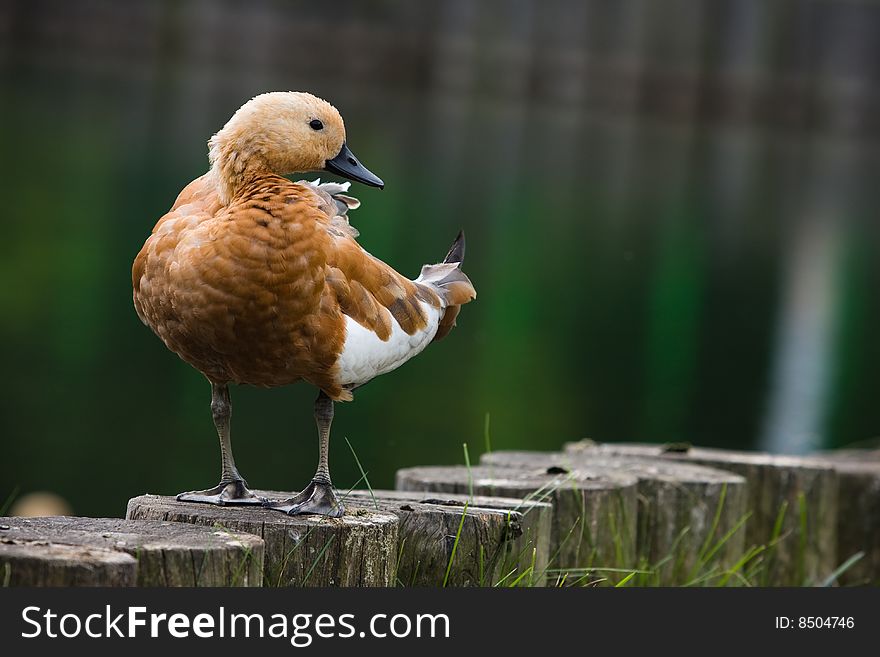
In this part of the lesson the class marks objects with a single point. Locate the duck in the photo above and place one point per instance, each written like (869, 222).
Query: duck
(255, 279)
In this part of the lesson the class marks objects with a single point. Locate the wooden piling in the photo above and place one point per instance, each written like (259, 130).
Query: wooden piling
(690, 519)
(454, 540)
(68, 551)
(858, 515)
(359, 549)
(792, 503)
(594, 512)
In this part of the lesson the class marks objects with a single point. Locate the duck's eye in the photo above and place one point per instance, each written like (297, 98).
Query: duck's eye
(315, 124)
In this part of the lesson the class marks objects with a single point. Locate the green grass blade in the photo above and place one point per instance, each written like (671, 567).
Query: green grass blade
(9, 500)
(842, 568)
(455, 545)
(363, 474)
(501, 581)
(467, 462)
(624, 581)
(780, 518)
(532, 567)
(519, 579)
(739, 565)
(317, 559)
(723, 540)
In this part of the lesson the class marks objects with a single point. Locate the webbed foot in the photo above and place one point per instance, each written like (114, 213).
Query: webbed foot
(317, 498)
(226, 493)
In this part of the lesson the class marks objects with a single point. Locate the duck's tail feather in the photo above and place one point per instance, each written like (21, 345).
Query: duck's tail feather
(456, 251)
(450, 283)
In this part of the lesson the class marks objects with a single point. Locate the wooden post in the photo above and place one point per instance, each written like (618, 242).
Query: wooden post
(594, 512)
(792, 501)
(690, 527)
(68, 551)
(858, 517)
(501, 540)
(359, 549)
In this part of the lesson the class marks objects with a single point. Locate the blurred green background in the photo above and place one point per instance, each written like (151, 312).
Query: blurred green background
(671, 210)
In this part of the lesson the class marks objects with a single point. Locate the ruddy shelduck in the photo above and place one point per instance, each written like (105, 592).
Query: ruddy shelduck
(254, 279)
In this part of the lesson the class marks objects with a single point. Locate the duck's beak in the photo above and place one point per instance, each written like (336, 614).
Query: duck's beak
(346, 165)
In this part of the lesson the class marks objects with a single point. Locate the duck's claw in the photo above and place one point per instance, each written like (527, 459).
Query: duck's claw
(226, 493)
(317, 498)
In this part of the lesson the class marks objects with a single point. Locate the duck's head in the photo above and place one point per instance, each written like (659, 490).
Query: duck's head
(284, 132)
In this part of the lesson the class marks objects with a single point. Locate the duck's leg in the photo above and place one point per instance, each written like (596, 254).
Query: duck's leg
(232, 488)
(318, 497)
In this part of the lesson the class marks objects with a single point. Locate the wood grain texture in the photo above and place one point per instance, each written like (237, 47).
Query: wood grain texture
(70, 551)
(795, 492)
(594, 512)
(690, 517)
(502, 540)
(858, 517)
(64, 565)
(359, 549)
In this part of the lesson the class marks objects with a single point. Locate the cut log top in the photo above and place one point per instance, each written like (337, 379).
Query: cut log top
(870, 455)
(394, 498)
(255, 517)
(510, 481)
(697, 454)
(847, 465)
(121, 535)
(668, 471)
(64, 551)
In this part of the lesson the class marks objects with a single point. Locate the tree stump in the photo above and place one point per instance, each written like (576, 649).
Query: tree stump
(858, 516)
(690, 518)
(359, 549)
(68, 551)
(792, 501)
(501, 541)
(594, 513)
(852, 454)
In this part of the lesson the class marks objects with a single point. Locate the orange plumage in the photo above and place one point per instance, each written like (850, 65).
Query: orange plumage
(254, 279)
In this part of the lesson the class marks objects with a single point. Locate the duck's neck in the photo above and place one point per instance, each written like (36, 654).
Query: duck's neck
(233, 167)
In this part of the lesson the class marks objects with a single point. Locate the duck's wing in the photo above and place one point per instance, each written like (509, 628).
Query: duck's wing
(388, 317)
(335, 203)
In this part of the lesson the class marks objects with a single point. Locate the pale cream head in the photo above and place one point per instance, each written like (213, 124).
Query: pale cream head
(279, 132)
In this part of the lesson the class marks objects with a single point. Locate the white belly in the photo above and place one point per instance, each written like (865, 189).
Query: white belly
(365, 356)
